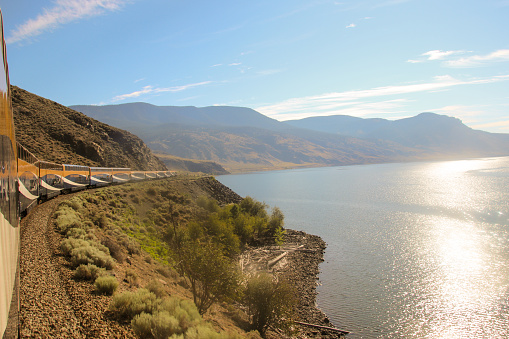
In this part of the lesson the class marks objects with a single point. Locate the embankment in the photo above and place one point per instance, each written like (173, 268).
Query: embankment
(53, 304)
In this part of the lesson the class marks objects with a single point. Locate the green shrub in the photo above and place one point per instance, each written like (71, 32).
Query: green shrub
(67, 245)
(91, 255)
(184, 311)
(67, 218)
(131, 277)
(157, 288)
(129, 304)
(115, 249)
(205, 332)
(151, 191)
(269, 301)
(102, 221)
(253, 207)
(76, 233)
(131, 245)
(142, 325)
(106, 284)
(75, 203)
(160, 325)
(89, 272)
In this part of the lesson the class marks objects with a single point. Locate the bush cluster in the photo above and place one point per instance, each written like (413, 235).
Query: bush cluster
(270, 302)
(80, 243)
(89, 272)
(237, 225)
(89, 254)
(106, 284)
(66, 218)
(155, 317)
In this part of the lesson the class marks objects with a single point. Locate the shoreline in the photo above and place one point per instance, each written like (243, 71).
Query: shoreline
(303, 271)
(297, 260)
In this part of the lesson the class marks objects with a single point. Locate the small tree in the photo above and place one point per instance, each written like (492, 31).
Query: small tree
(212, 275)
(270, 302)
(275, 225)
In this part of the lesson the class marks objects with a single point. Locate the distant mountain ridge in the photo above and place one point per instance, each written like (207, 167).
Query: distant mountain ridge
(426, 131)
(151, 115)
(242, 139)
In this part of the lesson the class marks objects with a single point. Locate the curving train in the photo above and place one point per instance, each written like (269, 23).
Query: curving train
(41, 180)
(24, 182)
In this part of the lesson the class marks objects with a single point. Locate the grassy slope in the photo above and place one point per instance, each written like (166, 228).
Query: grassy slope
(132, 217)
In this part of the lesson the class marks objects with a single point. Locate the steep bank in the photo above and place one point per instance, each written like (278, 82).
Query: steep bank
(56, 133)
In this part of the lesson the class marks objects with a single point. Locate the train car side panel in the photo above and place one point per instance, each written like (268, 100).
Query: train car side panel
(9, 217)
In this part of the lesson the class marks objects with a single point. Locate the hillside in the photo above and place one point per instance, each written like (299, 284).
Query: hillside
(138, 252)
(56, 133)
(242, 139)
(196, 166)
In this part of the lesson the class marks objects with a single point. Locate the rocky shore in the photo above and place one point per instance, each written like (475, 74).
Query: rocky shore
(297, 260)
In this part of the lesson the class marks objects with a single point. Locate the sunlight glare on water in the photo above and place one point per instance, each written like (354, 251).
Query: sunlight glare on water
(416, 250)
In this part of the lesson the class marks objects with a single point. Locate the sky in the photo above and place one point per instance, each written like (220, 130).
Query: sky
(287, 59)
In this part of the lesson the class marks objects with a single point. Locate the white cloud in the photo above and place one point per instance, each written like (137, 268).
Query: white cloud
(497, 126)
(480, 60)
(328, 103)
(434, 55)
(467, 114)
(145, 90)
(470, 61)
(150, 89)
(439, 55)
(63, 12)
(350, 26)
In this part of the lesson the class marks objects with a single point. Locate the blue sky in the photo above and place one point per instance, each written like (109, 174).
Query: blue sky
(288, 59)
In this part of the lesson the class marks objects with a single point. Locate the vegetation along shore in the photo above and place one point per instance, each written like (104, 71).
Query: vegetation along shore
(183, 258)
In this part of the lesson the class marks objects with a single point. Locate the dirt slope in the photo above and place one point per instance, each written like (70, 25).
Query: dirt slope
(53, 132)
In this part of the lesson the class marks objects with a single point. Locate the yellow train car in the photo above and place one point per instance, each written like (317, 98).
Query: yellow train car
(101, 176)
(76, 177)
(28, 179)
(51, 181)
(9, 216)
(120, 175)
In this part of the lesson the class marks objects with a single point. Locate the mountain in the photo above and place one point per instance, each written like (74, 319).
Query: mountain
(138, 114)
(436, 134)
(242, 139)
(56, 133)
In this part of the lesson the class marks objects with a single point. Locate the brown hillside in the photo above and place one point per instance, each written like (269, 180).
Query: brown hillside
(187, 165)
(53, 132)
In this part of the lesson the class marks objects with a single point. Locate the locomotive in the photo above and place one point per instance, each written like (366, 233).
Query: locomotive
(25, 181)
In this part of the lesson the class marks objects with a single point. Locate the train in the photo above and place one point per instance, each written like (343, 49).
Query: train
(25, 181)
(42, 180)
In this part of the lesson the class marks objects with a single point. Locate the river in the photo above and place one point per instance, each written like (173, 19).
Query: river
(415, 250)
